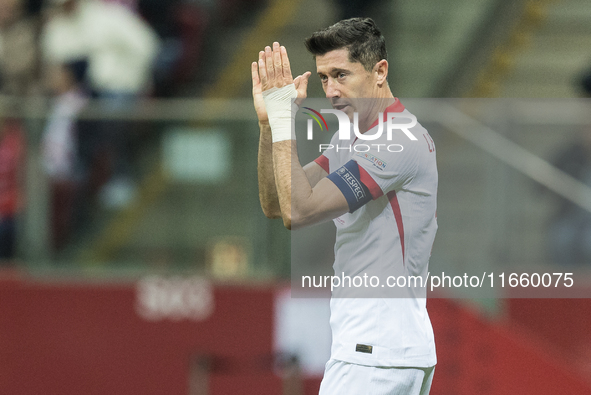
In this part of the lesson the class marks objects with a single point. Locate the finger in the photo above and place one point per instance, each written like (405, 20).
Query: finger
(287, 76)
(303, 84)
(254, 70)
(262, 68)
(269, 65)
(302, 87)
(277, 64)
(296, 81)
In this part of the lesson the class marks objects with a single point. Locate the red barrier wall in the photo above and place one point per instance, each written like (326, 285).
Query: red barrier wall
(564, 324)
(88, 338)
(476, 356)
(73, 338)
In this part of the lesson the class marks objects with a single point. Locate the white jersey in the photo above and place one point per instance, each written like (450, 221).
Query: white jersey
(391, 188)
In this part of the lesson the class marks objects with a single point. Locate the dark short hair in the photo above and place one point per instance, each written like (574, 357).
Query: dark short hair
(360, 36)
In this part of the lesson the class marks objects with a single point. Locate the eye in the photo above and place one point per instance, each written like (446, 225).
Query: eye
(323, 78)
(342, 75)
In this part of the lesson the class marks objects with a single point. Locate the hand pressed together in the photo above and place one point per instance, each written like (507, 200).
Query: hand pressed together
(274, 71)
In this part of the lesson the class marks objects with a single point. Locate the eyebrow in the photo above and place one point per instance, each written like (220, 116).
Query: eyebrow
(335, 70)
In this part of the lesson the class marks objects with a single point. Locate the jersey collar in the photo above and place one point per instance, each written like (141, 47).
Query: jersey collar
(397, 106)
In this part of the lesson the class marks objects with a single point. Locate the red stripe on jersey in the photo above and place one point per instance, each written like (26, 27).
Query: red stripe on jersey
(395, 107)
(369, 182)
(323, 162)
(398, 215)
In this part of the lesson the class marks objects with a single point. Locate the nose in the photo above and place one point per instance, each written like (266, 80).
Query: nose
(331, 89)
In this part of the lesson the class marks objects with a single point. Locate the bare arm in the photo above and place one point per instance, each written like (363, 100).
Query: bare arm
(266, 174)
(314, 173)
(267, 191)
(266, 177)
(305, 196)
(301, 204)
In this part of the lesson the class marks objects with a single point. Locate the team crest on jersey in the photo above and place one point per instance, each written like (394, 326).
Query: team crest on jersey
(377, 162)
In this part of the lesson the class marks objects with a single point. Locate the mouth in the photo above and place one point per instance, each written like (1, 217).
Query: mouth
(340, 106)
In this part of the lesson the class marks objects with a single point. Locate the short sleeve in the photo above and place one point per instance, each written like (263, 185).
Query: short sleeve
(388, 171)
(368, 176)
(323, 162)
(328, 156)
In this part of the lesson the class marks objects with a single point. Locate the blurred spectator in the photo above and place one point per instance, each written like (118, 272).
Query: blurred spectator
(129, 4)
(120, 49)
(570, 229)
(18, 49)
(119, 46)
(181, 26)
(161, 15)
(11, 158)
(60, 148)
(33, 7)
(586, 85)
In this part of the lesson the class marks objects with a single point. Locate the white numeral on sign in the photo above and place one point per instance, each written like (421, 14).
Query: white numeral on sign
(174, 298)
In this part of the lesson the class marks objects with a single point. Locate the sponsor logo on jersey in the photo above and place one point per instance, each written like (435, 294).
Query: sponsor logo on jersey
(377, 162)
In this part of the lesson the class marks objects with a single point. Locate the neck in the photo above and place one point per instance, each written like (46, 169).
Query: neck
(375, 107)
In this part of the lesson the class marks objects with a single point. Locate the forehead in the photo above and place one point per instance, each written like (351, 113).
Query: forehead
(337, 59)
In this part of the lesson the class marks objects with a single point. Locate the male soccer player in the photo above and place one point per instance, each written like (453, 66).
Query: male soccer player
(383, 203)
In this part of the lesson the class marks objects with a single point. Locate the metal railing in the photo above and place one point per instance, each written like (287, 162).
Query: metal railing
(192, 219)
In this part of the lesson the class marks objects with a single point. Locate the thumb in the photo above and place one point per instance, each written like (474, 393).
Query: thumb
(301, 84)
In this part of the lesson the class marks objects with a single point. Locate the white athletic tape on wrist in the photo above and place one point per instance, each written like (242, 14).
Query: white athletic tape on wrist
(281, 110)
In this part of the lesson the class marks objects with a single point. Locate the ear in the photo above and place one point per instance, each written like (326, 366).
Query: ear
(381, 72)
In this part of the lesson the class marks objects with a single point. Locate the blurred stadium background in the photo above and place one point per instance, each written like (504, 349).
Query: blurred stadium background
(143, 264)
